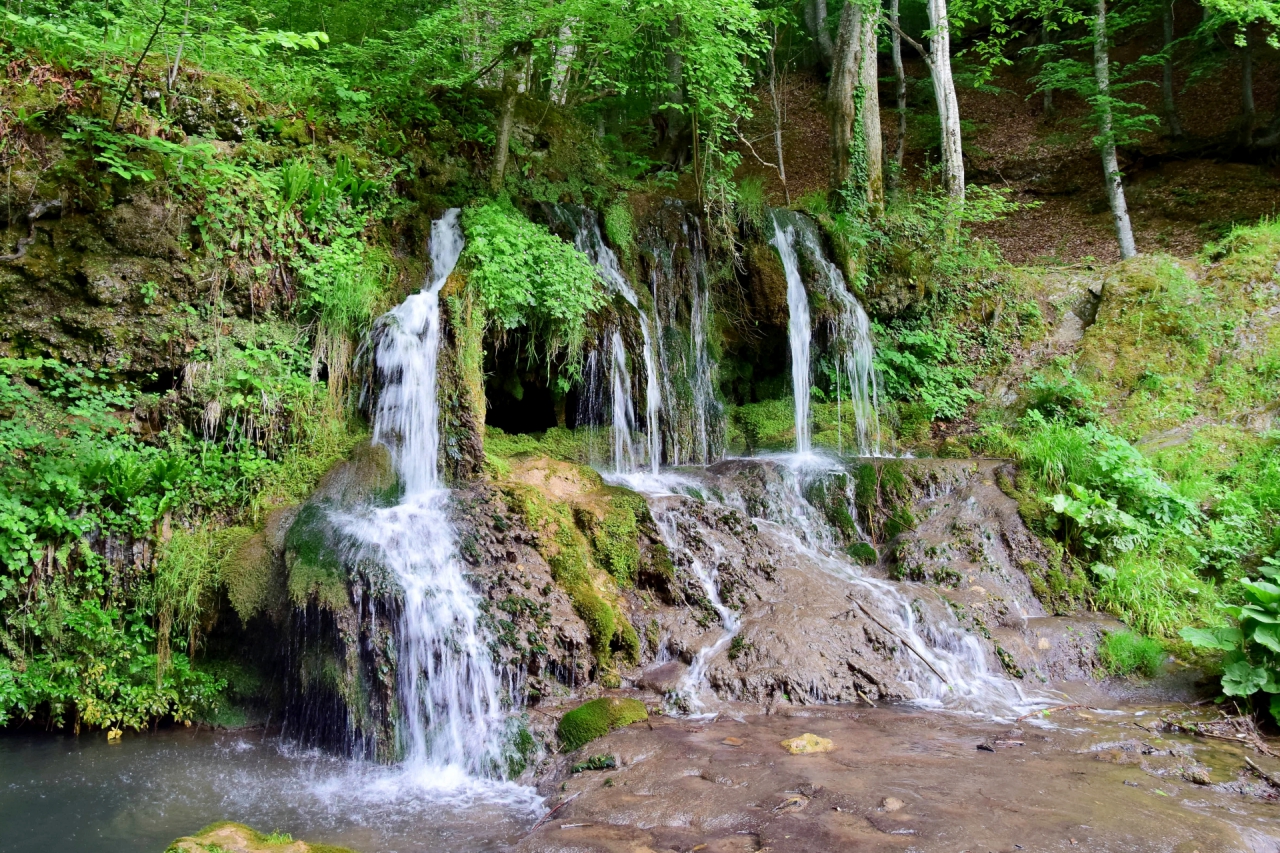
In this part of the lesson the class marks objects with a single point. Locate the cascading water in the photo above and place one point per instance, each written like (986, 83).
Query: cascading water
(587, 239)
(451, 716)
(798, 328)
(853, 349)
(676, 259)
(939, 663)
(691, 688)
(624, 413)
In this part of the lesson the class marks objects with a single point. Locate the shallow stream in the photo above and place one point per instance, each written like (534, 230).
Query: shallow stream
(61, 794)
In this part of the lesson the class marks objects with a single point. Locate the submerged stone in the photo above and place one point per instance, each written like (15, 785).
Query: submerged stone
(807, 744)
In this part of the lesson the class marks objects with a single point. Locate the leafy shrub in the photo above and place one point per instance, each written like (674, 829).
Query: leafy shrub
(1124, 652)
(1061, 395)
(528, 277)
(1252, 661)
(923, 365)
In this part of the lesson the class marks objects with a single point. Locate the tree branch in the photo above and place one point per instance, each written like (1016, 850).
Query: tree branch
(924, 54)
(128, 84)
(747, 143)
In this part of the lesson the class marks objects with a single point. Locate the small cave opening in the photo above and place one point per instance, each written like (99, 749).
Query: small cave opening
(519, 389)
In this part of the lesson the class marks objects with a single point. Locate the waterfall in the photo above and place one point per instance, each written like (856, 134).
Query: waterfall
(692, 685)
(939, 663)
(624, 413)
(798, 328)
(672, 249)
(851, 343)
(585, 226)
(451, 717)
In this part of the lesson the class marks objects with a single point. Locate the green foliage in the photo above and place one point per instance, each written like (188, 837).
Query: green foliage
(1124, 653)
(529, 278)
(97, 668)
(925, 365)
(1251, 662)
(597, 718)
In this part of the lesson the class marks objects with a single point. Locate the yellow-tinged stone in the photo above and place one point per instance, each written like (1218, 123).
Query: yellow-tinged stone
(807, 744)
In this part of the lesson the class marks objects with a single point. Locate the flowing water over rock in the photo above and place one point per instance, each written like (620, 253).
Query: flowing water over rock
(584, 225)
(849, 341)
(741, 518)
(798, 329)
(673, 256)
(452, 719)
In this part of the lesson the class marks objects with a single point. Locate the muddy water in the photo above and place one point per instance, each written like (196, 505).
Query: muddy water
(67, 795)
(901, 780)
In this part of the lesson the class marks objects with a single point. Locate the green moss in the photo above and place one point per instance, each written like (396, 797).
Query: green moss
(597, 718)
(769, 425)
(863, 552)
(569, 554)
(556, 443)
(313, 560)
(615, 537)
(227, 835)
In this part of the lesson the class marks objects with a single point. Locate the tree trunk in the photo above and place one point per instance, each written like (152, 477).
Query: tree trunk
(840, 92)
(900, 74)
(1048, 90)
(510, 86)
(815, 13)
(1110, 165)
(1166, 83)
(869, 86)
(944, 90)
(565, 50)
(777, 115)
(1248, 109)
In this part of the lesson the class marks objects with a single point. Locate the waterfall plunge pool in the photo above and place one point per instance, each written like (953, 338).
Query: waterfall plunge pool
(61, 794)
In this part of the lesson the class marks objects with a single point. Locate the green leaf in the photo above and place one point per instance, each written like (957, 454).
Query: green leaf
(1268, 635)
(1243, 679)
(1225, 639)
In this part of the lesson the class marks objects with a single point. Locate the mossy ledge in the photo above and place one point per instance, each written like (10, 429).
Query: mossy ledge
(229, 837)
(597, 718)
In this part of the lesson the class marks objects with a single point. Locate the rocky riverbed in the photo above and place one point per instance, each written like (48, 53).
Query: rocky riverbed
(897, 779)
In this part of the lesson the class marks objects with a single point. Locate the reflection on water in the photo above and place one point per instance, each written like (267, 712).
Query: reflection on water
(63, 794)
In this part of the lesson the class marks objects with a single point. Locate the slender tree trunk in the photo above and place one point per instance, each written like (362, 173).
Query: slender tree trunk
(1248, 109)
(869, 86)
(815, 13)
(1166, 83)
(128, 84)
(1045, 38)
(565, 50)
(840, 91)
(182, 38)
(777, 114)
(944, 90)
(900, 75)
(1110, 165)
(510, 87)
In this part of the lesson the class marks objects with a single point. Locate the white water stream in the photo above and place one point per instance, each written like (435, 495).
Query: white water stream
(452, 720)
(588, 240)
(851, 343)
(798, 329)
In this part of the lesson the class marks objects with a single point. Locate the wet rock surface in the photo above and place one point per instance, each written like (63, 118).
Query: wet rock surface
(899, 779)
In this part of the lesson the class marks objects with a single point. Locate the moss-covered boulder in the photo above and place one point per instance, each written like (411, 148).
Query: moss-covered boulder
(228, 837)
(597, 718)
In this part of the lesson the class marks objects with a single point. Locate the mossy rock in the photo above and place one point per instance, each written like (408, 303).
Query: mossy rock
(597, 718)
(229, 837)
